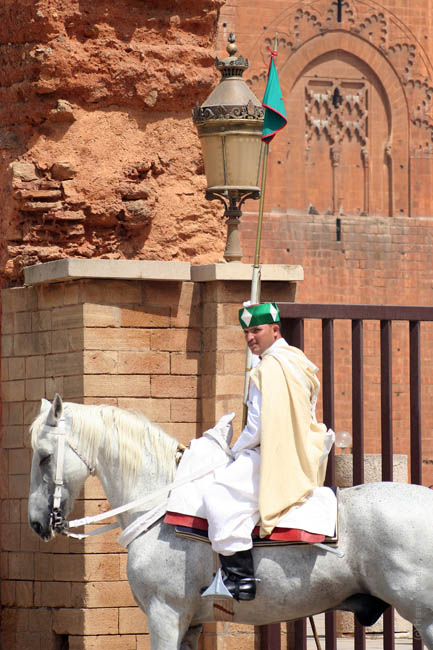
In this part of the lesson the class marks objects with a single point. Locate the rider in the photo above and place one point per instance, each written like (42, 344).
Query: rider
(279, 457)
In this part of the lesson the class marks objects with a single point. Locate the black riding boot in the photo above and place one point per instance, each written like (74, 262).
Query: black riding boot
(239, 574)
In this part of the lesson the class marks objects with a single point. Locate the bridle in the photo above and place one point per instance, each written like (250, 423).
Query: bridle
(58, 522)
(57, 519)
(60, 525)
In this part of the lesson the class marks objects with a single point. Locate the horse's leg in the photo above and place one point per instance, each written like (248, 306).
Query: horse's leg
(190, 640)
(168, 627)
(426, 632)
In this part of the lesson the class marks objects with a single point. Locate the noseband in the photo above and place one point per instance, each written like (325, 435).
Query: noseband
(58, 522)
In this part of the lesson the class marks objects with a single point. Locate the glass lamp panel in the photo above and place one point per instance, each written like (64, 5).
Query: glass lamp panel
(242, 159)
(212, 146)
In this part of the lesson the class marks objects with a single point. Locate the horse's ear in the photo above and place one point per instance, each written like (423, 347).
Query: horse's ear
(45, 405)
(56, 411)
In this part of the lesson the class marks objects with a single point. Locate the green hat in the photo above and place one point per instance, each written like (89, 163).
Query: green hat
(252, 315)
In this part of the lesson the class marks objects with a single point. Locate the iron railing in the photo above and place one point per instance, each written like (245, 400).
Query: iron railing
(293, 316)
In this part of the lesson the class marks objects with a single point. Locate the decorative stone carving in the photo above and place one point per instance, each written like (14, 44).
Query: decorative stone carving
(251, 112)
(374, 29)
(422, 138)
(420, 93)
(383, 30)
(306, 25)
(341, 14)
(402, 57)
(338, 111)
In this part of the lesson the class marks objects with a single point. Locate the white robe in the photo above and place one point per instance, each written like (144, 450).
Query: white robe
(231, 502)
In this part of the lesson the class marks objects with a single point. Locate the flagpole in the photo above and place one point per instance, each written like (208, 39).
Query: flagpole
(260, 219)
(256, 277)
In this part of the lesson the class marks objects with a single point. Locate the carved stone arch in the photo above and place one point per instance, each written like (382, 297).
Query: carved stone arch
(374, 143)
(394, 54)
(389, 167)
(293, 66)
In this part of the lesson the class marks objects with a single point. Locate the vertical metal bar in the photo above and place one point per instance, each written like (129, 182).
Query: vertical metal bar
(297, 333)
(328, 388)
(290, 636)
(387, 443)
(357, 402)
(301, 634)
(388, 630)
(417, 643)
(358, 430)
(415, 424)
(270, 637)
(359, 636)
(293, 331)
(386, 398)
(329, 420)
(301, 625)
(330, 631)
(415, 403)
(286, 327)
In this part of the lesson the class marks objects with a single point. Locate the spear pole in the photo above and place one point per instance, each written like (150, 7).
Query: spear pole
(256, 277)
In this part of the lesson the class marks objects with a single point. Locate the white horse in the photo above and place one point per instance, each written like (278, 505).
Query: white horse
(385, 532)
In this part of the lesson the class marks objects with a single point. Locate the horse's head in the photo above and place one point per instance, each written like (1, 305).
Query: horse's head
(54, 464)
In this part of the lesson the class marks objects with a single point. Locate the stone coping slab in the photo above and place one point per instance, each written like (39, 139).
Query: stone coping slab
(240, 271)
(76, 268)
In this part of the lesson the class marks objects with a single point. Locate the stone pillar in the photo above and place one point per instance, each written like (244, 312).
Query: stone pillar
(224, 288)
(160, 337)
(127, 335)
(372, 469)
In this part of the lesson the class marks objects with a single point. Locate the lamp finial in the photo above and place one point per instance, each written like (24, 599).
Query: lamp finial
(232, 48)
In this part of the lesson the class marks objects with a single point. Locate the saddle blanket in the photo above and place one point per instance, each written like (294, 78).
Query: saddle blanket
(195, 528)
(311, 522)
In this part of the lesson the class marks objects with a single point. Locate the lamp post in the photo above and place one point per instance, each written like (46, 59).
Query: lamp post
(229, 125)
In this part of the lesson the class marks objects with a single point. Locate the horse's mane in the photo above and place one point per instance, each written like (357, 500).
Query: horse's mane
(130, 433)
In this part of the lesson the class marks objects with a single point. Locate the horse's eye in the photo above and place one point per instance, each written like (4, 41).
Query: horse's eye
(45, 460)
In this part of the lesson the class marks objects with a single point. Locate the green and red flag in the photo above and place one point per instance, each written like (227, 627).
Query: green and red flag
(275, 113)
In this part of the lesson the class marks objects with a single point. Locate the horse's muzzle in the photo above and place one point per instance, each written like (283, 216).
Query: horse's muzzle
(45, 532)
(58, 521)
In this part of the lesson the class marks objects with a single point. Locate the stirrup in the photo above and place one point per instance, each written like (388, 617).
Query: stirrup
(217, 588)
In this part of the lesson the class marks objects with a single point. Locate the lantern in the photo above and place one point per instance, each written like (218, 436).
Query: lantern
(229, 125)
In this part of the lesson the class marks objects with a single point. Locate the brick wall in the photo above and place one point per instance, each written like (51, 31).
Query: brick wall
(132, 344)
(168, 349)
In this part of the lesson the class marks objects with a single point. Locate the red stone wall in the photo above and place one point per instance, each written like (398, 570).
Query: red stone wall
(96, 99)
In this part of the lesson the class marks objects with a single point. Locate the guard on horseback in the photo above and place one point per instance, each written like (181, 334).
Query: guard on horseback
(279, 458)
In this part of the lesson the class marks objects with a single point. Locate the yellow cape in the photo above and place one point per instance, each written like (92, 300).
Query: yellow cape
(292, 442)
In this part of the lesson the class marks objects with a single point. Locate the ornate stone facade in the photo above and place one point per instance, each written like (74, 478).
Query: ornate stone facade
(364, 82)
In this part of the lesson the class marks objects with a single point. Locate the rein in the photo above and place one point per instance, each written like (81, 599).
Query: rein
(144, 521)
